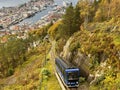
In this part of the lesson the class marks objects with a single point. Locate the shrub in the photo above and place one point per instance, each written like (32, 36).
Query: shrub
(45, 72)
(81, 79)
(10, 71)
(74, 46)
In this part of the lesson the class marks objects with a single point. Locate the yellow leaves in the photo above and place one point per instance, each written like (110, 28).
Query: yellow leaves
(109, 79)
(113, 5)
(52, 30)
(117, 40)
(39, 31)
(118, 75)
(98, 15)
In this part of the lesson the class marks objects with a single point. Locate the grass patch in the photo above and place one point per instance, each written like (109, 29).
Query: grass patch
(117, 41)
(32, 58)
(51, 83)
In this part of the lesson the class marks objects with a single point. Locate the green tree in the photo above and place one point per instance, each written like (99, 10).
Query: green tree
(77, 21)
(15, 49)
(71, 22)
(67, 26)
(12, 54)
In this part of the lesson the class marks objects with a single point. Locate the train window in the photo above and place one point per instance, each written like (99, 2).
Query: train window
(73, 75)
(64, 75)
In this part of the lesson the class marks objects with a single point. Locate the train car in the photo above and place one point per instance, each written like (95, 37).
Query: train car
(69, 76)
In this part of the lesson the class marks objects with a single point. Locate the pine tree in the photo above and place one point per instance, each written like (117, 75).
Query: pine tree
(77, 21)
(68, 21)
(95, 2)
(71, 22)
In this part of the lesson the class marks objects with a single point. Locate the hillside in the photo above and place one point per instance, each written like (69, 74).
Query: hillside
(87, 36)
(94, 45)
(35, 70)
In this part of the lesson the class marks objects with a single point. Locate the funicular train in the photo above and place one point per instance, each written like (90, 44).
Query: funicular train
(69, 75)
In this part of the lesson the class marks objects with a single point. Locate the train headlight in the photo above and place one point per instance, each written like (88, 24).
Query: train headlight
(76, 82)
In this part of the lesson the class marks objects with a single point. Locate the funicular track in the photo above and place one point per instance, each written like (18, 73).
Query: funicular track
(62, 85)
(72, 88)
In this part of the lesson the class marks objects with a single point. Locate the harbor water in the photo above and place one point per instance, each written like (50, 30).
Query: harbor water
(38, 16)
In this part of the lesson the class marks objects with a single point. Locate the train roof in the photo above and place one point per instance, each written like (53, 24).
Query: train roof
(62, 63)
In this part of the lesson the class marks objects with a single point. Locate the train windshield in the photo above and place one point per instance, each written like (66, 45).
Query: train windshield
(73, 75)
